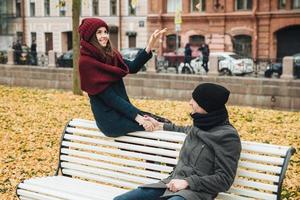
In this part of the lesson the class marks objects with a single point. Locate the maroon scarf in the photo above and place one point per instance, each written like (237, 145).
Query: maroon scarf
(95, 73)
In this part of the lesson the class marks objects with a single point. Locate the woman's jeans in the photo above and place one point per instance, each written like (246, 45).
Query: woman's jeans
(146, 194)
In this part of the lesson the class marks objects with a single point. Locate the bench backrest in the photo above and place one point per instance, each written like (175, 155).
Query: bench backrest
(146, 157)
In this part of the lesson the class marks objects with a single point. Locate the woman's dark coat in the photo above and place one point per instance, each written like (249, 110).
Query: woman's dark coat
(113, 112)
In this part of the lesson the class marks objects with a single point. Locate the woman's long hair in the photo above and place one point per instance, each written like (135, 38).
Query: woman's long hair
(107, 53)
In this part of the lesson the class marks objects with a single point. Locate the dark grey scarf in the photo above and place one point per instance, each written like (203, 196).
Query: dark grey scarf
(210, 120)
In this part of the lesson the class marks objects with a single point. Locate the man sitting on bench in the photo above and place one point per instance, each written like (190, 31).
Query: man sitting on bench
(209, 157)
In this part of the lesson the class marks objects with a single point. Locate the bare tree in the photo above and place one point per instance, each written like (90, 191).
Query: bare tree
(76, 6)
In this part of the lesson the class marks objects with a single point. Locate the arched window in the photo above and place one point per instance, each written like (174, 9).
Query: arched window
(242, 45)
(196, 40)
(171, 42)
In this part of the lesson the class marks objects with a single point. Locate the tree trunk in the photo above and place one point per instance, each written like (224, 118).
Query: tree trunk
(76, 6)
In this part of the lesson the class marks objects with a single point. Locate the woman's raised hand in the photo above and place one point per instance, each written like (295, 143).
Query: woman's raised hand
(154, 37)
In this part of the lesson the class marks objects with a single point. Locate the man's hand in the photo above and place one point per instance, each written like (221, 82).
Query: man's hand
(157, 125)
(177, 184)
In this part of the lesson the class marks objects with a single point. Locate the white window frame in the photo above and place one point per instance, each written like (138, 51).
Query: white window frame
(296, 4)
(244, 7)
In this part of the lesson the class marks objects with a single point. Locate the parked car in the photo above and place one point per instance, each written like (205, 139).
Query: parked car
(66, 59)
(276, 68)
(229, 64)
(195, 67)
(131, 53)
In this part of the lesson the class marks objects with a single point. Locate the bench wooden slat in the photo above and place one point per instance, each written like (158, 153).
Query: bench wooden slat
(132, 147)
(256, 175)
(136, 140)
(118, 160)
(85, 132)
(264, 159)
(264, 149)
(106, 173)
(153, 143)
(252, 193)
(270, 146)
(163, 135)
(84, 190)
(83, 124)
(99, 178)
(47, 191)
(26, 198)
(28, 195)
(260, 167)
(226, 196)
(131, 170)
(93, 189)
(119, 152)
(256, 185)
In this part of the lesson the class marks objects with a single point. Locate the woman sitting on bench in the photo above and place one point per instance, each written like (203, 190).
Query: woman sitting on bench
(102, 69)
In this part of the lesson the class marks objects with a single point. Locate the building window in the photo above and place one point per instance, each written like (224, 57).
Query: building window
(18, 8)
(296, 4)
(20, 37)
(113, 7)
(198, 5)
(48, 42)
(171, 42)
(62, 8)
(32, 8)
(131, 7)
(173, 5)
(243, 4)
(242, 45)
(33, 37)
(95, 7)
(196, 40)
(132, 41)
(47, 7)
(281, 4)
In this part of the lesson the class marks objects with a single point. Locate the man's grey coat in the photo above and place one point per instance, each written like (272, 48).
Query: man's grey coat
(208, 161)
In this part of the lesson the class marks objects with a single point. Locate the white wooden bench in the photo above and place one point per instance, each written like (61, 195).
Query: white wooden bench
(93, 166)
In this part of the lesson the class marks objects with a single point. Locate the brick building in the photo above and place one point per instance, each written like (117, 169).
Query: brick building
(260, 29)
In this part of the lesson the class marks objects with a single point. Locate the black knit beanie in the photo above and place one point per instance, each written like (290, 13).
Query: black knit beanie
(210, 97)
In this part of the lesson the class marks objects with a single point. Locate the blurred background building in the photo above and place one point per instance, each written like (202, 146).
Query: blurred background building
(258, 29)
(6, 16)
(49, 23)
(252, 28)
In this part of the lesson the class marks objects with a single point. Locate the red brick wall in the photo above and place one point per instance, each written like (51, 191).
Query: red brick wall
(261, 23)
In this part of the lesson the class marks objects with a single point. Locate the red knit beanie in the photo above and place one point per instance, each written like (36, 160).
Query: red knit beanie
(89, 26)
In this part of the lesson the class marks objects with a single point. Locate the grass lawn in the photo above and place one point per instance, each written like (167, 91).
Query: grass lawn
(32, 120)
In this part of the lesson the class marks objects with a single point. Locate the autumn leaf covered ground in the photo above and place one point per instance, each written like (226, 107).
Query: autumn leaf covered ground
(31, 122)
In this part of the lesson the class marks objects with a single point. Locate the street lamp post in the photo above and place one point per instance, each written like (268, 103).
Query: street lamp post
(177, 21)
